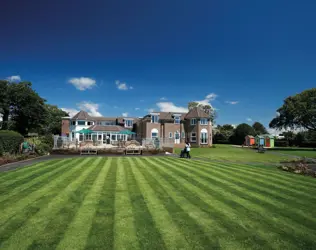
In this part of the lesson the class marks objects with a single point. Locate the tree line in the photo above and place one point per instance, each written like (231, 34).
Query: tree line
(23, 110)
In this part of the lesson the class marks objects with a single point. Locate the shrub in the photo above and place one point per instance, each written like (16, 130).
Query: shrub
(10, 141)
(223, 142)
(308, 144)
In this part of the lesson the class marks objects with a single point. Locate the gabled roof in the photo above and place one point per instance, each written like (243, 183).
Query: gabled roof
(196, 112)
(102, 118)
(266, 135)
(82, 115)
(170, 115)
(250, 136)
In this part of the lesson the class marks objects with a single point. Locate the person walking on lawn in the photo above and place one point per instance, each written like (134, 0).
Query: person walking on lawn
(187, 149)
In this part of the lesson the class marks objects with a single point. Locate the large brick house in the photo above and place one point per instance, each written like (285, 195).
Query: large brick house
(194, 126)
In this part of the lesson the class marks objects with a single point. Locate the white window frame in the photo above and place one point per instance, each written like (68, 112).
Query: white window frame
(126, 123)
(81, 124)
(191, 136)
(154, 131)
(193, 121)
(204, 131)
(205, 121)
(177, 120)
(178, 134)
(170, 135)
(182, 134)
(153, 120)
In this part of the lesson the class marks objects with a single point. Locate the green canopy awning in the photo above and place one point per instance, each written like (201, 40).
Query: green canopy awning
(85, 131)
(126, 132)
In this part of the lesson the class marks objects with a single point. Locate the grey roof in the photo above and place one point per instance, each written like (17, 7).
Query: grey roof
(82, 115)
(106, 128)
(196, 112)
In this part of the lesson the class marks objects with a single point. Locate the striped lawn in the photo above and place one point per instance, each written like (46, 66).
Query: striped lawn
(155, 203)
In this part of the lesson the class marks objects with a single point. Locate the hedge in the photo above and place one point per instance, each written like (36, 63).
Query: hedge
(279, 143)
(10, 141)
(222, 142)
(308, 144)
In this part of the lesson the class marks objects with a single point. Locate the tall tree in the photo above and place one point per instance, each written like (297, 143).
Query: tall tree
(23, 105)
(259, 128)
(207, 109)
(240, 133)
(297, 111)
(53, 119)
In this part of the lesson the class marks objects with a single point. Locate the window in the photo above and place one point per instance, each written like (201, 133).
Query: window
(193, 121)
(113, 137)
(203, 136)
(182, 134)
(170, 135)
(203, 121)
(99, 137)
(128, 123)
(177, 135)
(90, 123)
(193, 137)
(73, 122)
(73, 135)
(154, 133)
(155, 118)
(88, 137)
(81, 123)
(80, 137)
(177, 120)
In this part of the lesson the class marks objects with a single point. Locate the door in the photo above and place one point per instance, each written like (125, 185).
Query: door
(268, 142)
(261, 142)
(177, 137)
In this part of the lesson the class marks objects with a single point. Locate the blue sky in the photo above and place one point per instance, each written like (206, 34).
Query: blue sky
(246, 56)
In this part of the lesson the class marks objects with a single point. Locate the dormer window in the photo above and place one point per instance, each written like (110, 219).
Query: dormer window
(193, 121)
(154, 118)
(203, 121)
(128, 123)
(177, 119)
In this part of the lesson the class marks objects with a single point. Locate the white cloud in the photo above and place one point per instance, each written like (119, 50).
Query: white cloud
(207, 101)
(163, 98)
(125, 114)
(249, 119)
(149, 110)
(122, 85)
(14, 78)
(170, 107)
(70, 111)
(136, 108)
(83, 83)
(232, 102)
(90, 107)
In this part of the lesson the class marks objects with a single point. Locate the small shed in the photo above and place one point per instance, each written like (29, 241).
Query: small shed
(249, 140)
(265, 140)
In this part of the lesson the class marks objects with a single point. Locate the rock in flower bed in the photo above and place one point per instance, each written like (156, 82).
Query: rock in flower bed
(302, 166)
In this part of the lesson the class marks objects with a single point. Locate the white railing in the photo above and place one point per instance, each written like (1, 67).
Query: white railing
(157, 142)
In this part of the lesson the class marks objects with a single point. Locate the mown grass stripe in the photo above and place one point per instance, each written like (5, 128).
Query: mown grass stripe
(263, 186)
(272, 171)
(25, 235)
(304, 191)
(147, 233)
(22, 216)
(20, 172)
(124, 229)
(29, 199)
(171, 234)
(101, 233)
(197, 220)
(24, 188)
(231, 192)
(247, 190)
(233, 207)
(78, 231)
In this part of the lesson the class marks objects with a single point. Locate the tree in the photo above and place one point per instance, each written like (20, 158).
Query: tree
(53, 119)
(22, 105)
(240, 133)
(297, 111)
(207, 109)
(259, 128)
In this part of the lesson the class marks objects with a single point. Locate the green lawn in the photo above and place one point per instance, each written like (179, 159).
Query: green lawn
(237, 154)
(155, 203)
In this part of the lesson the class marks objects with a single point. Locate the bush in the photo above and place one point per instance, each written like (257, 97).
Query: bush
(10, 141)
(223, 142)
(279, 143)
